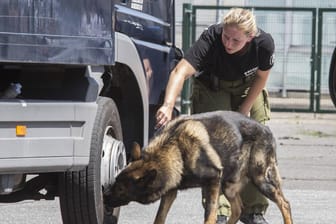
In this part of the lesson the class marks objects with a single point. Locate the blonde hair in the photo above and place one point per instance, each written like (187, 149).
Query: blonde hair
(243, 19)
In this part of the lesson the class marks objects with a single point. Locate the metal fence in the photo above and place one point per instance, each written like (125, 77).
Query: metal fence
(304, 42)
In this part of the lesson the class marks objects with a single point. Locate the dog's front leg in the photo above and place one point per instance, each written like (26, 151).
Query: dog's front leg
(211, 194)
(236, 208)
(231, 192)
(165, 204)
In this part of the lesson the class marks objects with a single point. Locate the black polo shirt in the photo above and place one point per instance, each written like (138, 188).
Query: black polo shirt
(209, 56)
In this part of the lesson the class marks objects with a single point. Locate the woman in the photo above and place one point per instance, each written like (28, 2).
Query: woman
(231, 61)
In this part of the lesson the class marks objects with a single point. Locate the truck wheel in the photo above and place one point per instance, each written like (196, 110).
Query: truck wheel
(332, 78)
(81, 193)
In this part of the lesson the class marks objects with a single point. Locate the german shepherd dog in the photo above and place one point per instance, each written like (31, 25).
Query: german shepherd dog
(220, 150)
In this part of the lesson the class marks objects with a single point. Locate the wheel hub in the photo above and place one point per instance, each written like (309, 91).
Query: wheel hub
(113, 159)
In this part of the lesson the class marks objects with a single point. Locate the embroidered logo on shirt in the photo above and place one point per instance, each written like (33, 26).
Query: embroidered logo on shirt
(272, 59)
(252, 71)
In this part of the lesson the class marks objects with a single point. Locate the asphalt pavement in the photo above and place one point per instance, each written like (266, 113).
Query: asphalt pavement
(307, 161)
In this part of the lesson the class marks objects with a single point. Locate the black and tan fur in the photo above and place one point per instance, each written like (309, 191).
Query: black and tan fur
(210, 150)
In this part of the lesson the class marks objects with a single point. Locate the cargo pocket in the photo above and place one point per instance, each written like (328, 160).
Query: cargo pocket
(261, 110)
(267, 106)
(194, 96)
(198, 97)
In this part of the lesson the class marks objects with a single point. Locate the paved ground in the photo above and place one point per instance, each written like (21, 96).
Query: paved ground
(306, 154)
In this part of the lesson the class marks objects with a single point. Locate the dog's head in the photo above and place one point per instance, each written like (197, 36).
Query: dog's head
(134, 183)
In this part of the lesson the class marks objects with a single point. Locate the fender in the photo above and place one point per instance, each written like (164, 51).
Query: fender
(124, 47)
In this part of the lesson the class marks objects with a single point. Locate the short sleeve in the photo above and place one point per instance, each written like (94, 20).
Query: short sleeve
(200, 51)
(266, 52)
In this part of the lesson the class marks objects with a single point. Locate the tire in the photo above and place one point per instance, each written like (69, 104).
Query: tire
(332, 78)
(81, 192)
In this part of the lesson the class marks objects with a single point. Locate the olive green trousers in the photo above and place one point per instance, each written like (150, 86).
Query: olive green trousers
(229, 96)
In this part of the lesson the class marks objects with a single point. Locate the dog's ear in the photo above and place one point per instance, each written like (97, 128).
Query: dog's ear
(148, 178)
(136, 151)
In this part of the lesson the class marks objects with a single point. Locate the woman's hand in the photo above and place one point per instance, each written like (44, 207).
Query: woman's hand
(256, 88)
(164, 115)
(245, 111)
(181, 72)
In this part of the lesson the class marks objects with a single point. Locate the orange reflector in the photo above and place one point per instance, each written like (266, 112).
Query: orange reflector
(21, 130)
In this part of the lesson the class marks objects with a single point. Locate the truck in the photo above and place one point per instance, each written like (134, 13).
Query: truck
(80, 81)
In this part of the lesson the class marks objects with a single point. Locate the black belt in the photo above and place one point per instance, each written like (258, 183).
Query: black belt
(214, 83)
(235, 83)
